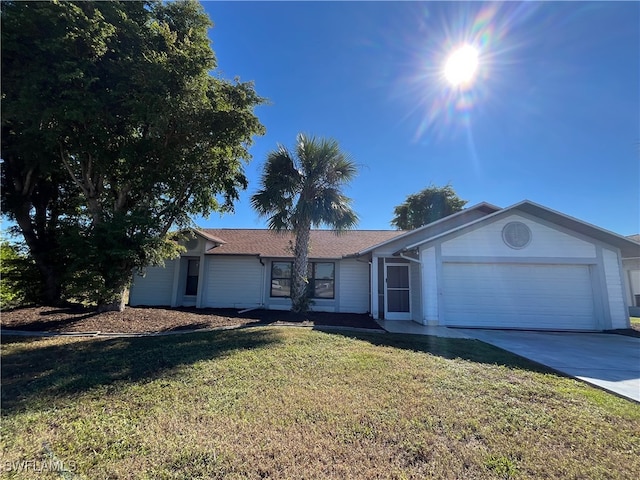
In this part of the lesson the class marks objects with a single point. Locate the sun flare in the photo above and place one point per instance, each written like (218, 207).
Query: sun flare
(461, 66)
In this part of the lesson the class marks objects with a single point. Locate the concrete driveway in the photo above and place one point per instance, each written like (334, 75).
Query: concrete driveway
(609, 361)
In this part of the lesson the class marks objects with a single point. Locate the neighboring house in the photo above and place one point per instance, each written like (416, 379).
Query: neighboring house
(631, 268)
(524, 266)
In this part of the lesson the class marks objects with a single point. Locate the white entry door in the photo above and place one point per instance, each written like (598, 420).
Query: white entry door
(397, 295)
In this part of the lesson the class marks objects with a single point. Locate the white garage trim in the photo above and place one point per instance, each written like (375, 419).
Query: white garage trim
(519, 295)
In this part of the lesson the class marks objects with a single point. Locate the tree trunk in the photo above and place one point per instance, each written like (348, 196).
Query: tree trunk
(115, 303)
(113, 297)
(299, 287)
(51, 293)
(42, 251)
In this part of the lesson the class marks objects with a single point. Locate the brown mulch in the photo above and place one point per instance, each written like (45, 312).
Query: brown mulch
(157, 319)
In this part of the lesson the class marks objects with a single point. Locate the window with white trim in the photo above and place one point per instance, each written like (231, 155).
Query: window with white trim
(281, 279)
(321, 278)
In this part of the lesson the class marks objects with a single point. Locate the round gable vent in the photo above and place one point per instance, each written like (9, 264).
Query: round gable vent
(516, 235)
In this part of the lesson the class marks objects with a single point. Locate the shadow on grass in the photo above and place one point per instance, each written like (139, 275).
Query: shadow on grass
(449, 348)
(37, 376)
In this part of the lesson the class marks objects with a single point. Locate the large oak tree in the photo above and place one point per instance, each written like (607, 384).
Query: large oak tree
(114, 131)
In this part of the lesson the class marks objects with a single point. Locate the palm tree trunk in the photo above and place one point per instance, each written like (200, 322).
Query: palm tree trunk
(299, 297)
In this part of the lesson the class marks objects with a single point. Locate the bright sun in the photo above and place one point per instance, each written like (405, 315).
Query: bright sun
(461, 66)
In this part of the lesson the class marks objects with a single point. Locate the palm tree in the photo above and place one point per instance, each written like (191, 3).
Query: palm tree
(300, 190)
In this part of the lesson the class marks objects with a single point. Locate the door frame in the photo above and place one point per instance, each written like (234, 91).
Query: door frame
(396, 315)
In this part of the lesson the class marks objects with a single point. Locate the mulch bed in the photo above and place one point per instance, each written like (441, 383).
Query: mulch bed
(154, 319)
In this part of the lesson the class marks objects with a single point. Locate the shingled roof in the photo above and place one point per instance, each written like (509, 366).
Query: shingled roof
(268, 243)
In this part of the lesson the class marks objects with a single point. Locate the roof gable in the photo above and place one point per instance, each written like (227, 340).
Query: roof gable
(432, 229)
(628, 247)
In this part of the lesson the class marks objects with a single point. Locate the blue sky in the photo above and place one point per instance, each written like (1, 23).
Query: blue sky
(553, 115)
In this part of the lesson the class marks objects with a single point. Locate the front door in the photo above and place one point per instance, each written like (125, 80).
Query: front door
(397, 298)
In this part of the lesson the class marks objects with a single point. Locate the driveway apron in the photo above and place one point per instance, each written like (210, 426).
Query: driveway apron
(609, 361)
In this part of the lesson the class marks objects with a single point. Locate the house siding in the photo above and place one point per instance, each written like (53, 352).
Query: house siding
(416, 291)
(353, 282)
(155, 288)
(429, 231)
(233, 282)
(632, 277)
(545, 242)
(615, 291)
(429, 287)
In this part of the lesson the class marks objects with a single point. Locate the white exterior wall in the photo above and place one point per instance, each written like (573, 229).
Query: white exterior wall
(429, 287)
(619, 314)
(232, 282)
(353, 284)
(550, 250)
(155, 288)
(632, 278)
(545, 242)
(415, 281)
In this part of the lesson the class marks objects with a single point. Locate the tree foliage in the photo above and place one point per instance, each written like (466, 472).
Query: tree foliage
(427, 206)
(303, 189)
(114, 131)
(18, 277)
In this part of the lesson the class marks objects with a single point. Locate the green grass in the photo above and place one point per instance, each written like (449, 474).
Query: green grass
(635, 320)
(295, 403)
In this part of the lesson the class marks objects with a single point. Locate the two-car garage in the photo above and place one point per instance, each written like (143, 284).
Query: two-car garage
(524, 268)
(519, 295)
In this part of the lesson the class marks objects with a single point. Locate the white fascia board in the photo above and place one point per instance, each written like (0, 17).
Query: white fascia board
(429, 225)
(614, 239)
(211, 238)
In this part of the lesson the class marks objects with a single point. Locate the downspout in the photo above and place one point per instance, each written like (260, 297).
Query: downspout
(264, 272)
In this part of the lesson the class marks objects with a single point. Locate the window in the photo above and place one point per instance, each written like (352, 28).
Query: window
(321, 279)
(281, 279)
(193, 266)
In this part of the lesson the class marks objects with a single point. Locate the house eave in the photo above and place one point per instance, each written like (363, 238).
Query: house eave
(627, 247)
(483, 206)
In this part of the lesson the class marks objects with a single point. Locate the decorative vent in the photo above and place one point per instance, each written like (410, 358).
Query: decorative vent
(516, 235)
(192, 244)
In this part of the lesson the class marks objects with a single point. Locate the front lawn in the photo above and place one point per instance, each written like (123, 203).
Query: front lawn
(297, 403)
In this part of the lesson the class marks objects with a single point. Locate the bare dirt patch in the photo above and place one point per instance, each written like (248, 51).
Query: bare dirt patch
(156, 319)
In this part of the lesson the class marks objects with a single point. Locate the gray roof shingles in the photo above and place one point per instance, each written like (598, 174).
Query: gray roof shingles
(268, 243)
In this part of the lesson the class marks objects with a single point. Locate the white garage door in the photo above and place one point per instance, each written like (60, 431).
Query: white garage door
(528, 296)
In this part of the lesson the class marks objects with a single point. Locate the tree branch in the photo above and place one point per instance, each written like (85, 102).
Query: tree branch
(88, 191)
(75, 179)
